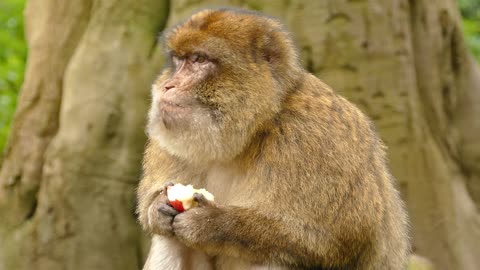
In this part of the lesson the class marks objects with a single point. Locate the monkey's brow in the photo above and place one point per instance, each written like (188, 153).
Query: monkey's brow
(200, 53)
(173, 53)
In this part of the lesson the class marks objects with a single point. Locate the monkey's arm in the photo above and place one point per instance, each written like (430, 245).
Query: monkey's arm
(154, 213)
(256, 237)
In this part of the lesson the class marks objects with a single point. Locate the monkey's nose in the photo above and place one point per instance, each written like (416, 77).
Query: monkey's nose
(169, 86)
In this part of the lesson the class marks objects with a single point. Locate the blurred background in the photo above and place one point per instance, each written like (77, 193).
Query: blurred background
(13, 55)
(72, 116)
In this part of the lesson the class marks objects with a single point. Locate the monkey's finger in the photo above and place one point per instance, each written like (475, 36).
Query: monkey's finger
(165, 187)
(168, 184)
(201, 200)
(167, 209)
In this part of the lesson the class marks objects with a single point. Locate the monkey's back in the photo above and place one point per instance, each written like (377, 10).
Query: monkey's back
(331, 152)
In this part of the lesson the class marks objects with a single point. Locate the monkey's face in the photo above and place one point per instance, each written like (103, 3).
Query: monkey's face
(176, 106)
(178, 118)
(220, 86)
(202, 108)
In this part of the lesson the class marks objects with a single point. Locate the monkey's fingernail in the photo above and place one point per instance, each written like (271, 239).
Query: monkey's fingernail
(198, 197)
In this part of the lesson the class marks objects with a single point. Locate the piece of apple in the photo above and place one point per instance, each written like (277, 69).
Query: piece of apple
(181, 197)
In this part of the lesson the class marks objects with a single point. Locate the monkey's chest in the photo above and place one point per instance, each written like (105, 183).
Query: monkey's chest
(227, 185)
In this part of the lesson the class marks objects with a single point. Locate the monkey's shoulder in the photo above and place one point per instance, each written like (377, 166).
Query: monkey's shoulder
(317, 110)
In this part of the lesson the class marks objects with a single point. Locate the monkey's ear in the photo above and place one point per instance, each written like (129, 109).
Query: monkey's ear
(271, 51)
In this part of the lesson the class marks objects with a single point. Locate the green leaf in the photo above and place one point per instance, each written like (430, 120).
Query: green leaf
(13, 54)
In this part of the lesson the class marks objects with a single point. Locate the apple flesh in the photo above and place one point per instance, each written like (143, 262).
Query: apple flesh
(181, 197)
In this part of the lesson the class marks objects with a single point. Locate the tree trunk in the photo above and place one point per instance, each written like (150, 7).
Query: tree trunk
(73, 159)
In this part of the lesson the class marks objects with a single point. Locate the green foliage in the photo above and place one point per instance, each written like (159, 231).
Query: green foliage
(12, 61)
(471, 24)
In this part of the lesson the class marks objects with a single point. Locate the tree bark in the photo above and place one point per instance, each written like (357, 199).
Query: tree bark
(73, 160)
(69, 173)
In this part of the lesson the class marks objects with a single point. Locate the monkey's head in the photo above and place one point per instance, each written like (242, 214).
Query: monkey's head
(227, 75)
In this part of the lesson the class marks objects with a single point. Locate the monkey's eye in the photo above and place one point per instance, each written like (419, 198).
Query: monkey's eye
(198, 58)
(201, 59)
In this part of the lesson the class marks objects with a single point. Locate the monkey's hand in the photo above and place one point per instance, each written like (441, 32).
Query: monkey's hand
(159, 213)
(194, 226)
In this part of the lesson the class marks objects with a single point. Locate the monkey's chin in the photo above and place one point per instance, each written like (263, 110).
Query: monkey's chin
(180, 131)
(197, 139)
(174, 117)
(196, 134)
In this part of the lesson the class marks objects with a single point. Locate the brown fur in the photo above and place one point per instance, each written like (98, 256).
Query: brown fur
(298, 172)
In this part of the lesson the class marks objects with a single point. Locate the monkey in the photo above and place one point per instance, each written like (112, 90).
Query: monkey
(299, 173)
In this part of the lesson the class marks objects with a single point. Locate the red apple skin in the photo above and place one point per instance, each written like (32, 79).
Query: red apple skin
(177, 205)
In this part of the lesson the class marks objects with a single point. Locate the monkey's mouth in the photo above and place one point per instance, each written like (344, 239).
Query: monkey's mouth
(169, 107)
(177, 112)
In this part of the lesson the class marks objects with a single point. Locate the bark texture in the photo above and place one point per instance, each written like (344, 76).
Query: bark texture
(73, 159)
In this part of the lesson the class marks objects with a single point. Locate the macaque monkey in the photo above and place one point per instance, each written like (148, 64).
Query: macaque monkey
(298, 172)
